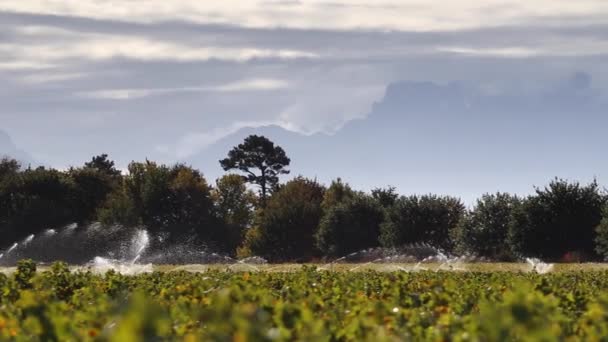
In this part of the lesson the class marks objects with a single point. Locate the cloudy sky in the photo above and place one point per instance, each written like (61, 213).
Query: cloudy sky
(167, 80)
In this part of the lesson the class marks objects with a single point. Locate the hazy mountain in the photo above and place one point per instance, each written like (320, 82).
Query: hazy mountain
(9, 149)
(453, 138)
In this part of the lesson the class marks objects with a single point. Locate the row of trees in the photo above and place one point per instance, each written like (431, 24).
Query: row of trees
(564, 221)
(300, 220)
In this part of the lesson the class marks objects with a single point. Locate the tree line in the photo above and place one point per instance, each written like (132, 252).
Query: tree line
(301, 219)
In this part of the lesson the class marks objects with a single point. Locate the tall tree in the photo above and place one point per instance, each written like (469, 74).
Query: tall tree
(102, 164)
(172, 200)
(422, 219)
(8, 167)
(286, 227)
(601, 240)
(559, 219)
(258, 152)
(350, 226)
(34, 200)
(91, 187)
(386, 196)
(484, 230)
(337, 193)
(234, 205)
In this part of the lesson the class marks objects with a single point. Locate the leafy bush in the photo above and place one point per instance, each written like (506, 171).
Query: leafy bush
(34, 200)
(350, 226)
(26, 269)
(559, 219)
(286, 226)
(234, 206)
(601, 239)
(484, 230)
(338, 192)
(422, 219)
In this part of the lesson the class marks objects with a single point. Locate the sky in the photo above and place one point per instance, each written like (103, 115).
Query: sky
(516, 82)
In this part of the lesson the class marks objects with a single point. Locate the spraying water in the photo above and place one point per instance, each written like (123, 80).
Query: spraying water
(50, 232)
(539, 266)
(124, 250)
(141, 240)
(133, 251)
(15, 245)
(28, 240)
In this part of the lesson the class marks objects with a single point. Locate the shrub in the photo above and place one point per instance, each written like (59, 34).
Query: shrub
(234, 207)
(601, 240)
(338, 192)
(558, 219)
(26, 270)
(422, 219)
(350, 226)
(484, 230)
(287, 225)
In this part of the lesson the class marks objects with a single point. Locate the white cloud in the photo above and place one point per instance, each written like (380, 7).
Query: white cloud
(254, 84)
(194, 142)
(512, 52)
(326, 77)
(100, 48)
(581, 46)
(419, 15)
(13, 65)
(242, 85)
(48, 77)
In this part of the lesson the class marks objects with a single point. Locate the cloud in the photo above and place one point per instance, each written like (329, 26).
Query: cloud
(100, 47)
(195, 142)
(239, 86)
(193, 70)
(24, 65)
(49, 77)
(512, 52)
(410, 15)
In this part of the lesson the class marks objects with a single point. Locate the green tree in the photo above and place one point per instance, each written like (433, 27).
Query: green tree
(350, 226)
(34, 200)
(92, 187)
(285, 228)
(338, 192)
(484, 230)
(422, 219)
(104, 165)
(559, 219)
(8, 167)
(234, 205)
(174, 200)
(118, 209)
(601, 240)
(386, 196)
(258, 152)
(191, 208)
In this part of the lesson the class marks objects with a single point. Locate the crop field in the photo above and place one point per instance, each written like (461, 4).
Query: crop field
(306, 303)
(133, 269)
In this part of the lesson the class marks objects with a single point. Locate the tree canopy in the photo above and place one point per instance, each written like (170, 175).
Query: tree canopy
(285, 228)
(560, 218)
(299, 220)
(422, 219)
(484, 230)
(258, 153)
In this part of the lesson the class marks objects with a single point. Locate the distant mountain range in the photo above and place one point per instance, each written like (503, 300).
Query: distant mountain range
(450, 138)
(9, 149)
(444, 138)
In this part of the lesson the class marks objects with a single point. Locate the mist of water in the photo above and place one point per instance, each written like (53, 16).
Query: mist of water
(122, 249)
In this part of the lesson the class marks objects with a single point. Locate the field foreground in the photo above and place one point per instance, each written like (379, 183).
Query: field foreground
(309, 304)
(134, 269)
